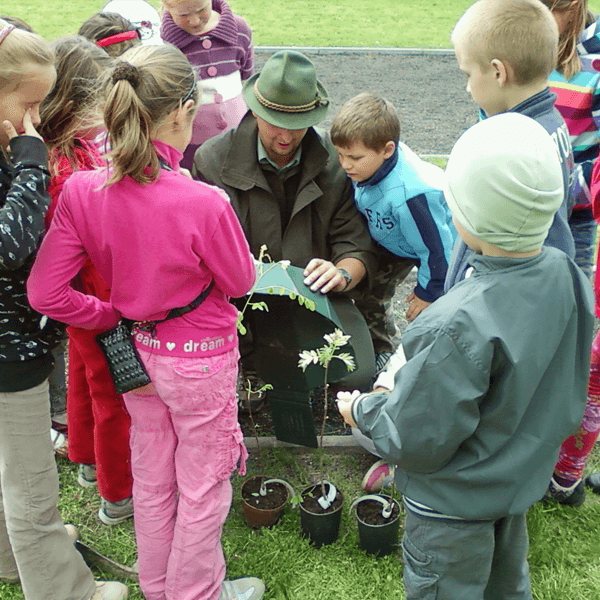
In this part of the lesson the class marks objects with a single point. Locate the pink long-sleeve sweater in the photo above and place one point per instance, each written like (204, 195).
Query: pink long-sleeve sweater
(157, 247)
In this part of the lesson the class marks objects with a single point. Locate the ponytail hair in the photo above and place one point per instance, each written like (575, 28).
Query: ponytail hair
(145, 87)
(569, 63)
(71, 104)
(18, 49)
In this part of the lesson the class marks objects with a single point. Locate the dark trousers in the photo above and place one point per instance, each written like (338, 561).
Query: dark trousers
(459, 560)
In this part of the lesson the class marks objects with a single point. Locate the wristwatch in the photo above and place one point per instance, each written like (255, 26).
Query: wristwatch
(346, 276)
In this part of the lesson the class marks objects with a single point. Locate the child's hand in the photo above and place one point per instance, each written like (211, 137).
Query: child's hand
(344, 404)
(11, 132)
(416, 307)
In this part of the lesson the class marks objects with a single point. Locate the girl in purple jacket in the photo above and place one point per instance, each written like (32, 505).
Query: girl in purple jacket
(158, 239)
(218, 43)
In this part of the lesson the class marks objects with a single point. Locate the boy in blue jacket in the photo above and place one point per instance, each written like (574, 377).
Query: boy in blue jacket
(400, 195)
(475, 418)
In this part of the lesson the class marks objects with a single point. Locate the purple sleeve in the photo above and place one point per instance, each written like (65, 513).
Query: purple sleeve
(245, 39)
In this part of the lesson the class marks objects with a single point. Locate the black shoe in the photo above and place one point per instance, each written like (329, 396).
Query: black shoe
(575, 497)
(593, 482)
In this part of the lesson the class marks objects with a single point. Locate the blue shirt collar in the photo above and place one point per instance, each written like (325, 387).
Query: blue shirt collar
(383, 171)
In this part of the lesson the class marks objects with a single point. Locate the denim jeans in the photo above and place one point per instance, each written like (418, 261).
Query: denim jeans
(58, 381)
(480, 560)
(33, 538)
(185, 444)
(584, 227)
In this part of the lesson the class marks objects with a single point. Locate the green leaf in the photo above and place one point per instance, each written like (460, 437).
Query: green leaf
(301, 300)
(241, 328)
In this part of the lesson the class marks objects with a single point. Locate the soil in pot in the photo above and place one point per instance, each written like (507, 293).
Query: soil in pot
(369, 511)
(263, 511)
(277, 494)
(321, 526)
(310, 501)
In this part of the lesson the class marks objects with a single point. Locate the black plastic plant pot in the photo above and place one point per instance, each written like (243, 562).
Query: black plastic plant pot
(380, 539)
(321, 525)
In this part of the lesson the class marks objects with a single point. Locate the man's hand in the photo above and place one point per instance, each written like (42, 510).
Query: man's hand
(416, 307)
(323, 276)
(344, 404)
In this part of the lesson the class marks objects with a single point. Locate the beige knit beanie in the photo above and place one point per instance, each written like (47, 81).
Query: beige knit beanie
(505, 182)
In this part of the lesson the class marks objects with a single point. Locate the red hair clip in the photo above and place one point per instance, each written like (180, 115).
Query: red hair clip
(5, 31)
(115, 39)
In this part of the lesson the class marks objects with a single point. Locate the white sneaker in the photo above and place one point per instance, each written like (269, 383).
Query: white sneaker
(113, 513)
(86, 476)
(72, 532)
(60, 443)
(244, 588)
(110, 590)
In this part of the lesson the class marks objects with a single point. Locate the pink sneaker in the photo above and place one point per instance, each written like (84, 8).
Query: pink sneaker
(380, 475)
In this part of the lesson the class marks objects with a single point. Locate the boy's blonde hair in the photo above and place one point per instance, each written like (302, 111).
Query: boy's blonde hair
(366, 118)
(521, 33)
(19, 49)
(72, 102)
(146, 85)
(568, 62)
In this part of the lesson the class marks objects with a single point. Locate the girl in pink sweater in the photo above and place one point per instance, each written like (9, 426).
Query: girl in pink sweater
(158, 239)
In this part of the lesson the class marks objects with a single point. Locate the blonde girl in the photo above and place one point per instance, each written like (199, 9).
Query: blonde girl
(98, 421)
(218, 43)
(35, 548)
(160, 240)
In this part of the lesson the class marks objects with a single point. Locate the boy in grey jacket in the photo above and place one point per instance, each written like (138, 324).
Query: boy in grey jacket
(475, 418)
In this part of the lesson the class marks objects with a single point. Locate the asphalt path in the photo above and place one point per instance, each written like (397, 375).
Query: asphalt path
(427, 89)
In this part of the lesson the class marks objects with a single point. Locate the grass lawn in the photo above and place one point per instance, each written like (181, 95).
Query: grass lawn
(394, 23)
(564, 555)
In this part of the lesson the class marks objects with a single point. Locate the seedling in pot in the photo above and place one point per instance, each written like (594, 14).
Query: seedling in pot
(323, 356)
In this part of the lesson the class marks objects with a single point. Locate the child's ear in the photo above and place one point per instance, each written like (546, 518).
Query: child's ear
(389, 149)
(502, 71)
(182, 114)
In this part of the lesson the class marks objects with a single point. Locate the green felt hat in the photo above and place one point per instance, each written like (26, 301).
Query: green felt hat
(287, 93)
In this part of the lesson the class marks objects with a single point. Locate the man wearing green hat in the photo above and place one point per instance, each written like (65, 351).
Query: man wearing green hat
(285, 181)
(284, 178)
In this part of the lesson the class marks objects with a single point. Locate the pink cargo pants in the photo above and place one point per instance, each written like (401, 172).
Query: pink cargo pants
(185, 444)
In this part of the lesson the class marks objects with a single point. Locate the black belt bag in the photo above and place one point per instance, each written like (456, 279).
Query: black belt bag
(124, 363)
